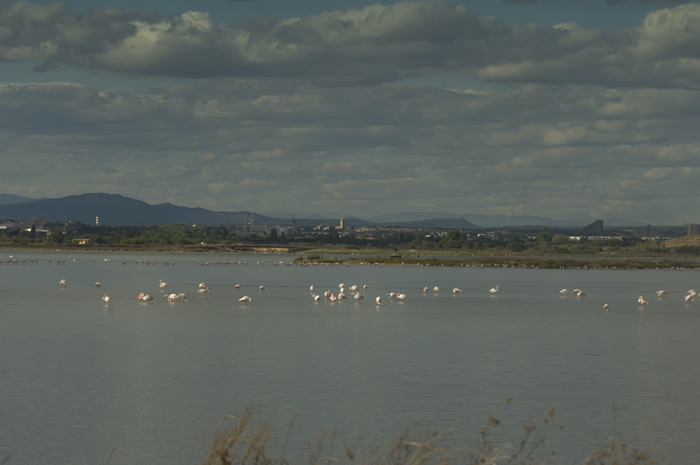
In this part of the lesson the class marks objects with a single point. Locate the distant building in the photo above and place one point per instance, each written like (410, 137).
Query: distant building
(594, 229)
(693, 229)
(342, 222)
(11, 225)
(648, 231)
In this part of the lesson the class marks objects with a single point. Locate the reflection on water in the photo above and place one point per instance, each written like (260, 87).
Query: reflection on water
(79, 377)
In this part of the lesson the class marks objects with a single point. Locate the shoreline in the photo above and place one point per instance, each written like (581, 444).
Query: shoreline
(317, 256)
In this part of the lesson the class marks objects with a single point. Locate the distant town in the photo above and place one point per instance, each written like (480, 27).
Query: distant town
(113, 221)
(593, 238)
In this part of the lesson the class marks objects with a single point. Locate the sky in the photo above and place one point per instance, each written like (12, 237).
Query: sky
(569, 109)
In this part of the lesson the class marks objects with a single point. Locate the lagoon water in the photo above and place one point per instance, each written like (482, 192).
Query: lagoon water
(79, 378)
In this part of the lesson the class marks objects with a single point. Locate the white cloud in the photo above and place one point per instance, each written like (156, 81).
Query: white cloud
(375, 44)
(537, 149)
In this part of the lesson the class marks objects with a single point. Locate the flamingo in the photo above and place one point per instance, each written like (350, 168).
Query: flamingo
(311, 288)
(606, 307)
(342, 296)
(401, 296)
(689, 297)
(162, 284)
(333, 298)
(436, 289)
(391, 295)
(358, 297)
(378, 300)
(425, 289)
(105, 298)
(661, 293)
(316, 297)
(245, 299)
(98, 284)
(62, 282)
(262, 288)
(493, 290)
(456, 290)
(141, 296)
(327, 294)
(563, 291)
(642, 301)
(237, 286)
(202, 286)
(171, 297)
(353, 288)
(364, 287)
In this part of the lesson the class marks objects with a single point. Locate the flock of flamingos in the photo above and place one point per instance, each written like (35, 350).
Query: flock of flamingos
(354, 291)
(329, 296)
(203, 288)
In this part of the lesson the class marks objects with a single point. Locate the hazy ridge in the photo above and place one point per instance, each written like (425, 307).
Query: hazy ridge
(116, 209)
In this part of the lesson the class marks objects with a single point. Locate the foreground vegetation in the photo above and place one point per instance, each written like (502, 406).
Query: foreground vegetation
(242, 441)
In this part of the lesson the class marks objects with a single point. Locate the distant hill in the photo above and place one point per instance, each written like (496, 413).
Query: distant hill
(619, 223)
(7, 199)
(410, 216)
(451, 223)
(496, 221)
(321, 221)
(116, 209)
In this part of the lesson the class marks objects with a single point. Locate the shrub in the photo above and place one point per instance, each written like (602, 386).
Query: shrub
(246, 442)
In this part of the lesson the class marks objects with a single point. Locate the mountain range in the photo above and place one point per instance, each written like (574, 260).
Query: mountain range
(114, 209)
(12, 198)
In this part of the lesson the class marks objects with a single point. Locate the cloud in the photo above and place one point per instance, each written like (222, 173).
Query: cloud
(375, 44)
(645, 2)
(288, 145)
(521, 2)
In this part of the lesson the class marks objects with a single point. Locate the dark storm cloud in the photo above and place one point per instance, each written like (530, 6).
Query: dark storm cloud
(378, 43)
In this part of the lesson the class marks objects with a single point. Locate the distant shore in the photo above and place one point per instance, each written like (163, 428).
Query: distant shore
(455, 258)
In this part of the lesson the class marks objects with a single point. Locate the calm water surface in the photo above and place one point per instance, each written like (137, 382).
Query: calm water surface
(78, 377)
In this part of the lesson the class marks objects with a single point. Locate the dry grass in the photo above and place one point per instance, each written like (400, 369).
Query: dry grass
(247, 442)
(682, 241)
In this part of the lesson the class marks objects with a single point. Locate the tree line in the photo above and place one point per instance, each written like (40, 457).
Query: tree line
(72, 233)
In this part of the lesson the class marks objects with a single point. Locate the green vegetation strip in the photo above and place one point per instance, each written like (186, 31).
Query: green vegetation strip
(505, 262)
